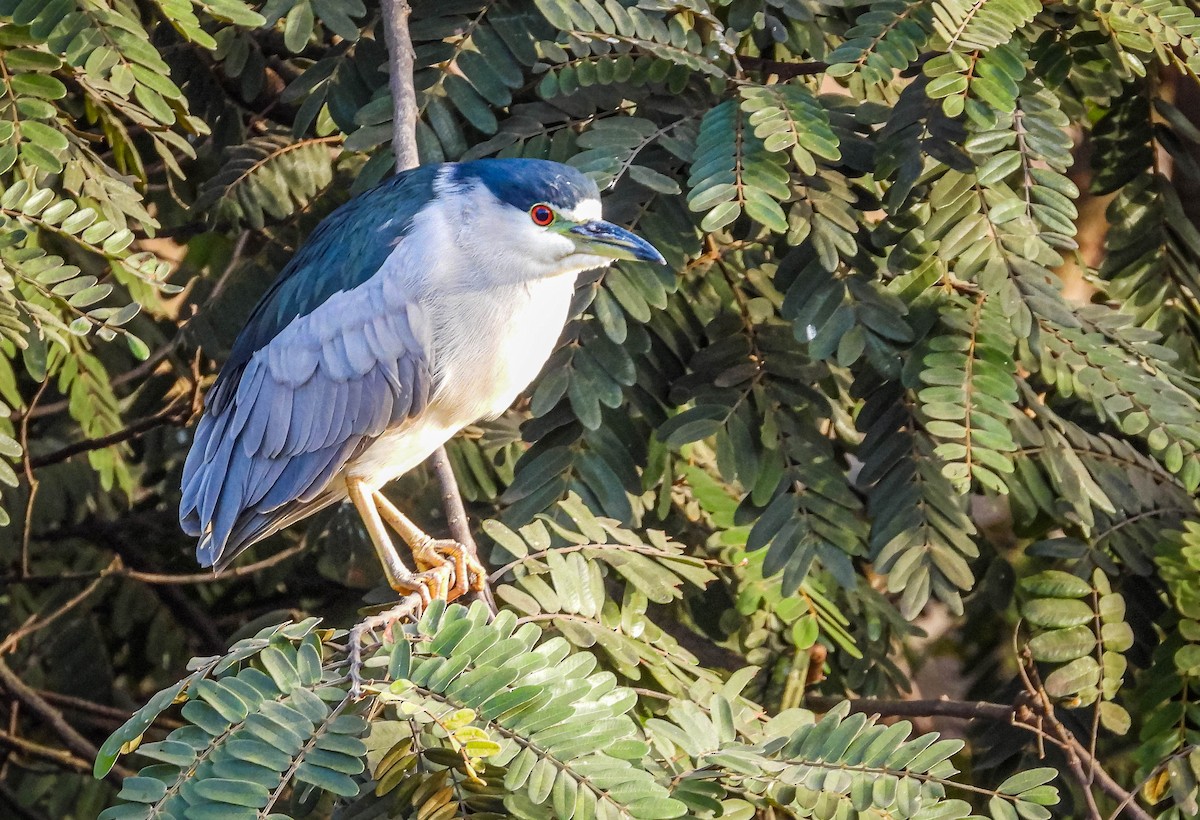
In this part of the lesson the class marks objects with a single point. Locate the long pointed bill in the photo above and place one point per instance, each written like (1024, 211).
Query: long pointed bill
(606, 239)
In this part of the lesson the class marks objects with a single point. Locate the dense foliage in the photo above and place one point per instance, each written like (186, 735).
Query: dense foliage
(856, 428)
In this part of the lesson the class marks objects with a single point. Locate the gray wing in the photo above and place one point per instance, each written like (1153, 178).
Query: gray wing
(304, 404)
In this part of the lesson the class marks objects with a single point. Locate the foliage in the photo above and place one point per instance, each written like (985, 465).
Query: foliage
(926, 352)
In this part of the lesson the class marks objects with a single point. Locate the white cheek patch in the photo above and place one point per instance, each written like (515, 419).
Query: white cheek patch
(585, 211)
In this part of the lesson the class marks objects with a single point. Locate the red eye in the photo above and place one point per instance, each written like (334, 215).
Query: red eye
(541, 215)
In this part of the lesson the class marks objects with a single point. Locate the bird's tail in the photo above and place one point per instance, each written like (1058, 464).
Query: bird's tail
(253, 527)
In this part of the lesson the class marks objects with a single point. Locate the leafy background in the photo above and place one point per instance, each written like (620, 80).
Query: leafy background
(912, 417)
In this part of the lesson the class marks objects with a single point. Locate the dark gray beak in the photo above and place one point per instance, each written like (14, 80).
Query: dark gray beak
(606, 239)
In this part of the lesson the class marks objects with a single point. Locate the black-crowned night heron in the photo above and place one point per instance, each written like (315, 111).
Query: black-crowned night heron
(415, 309)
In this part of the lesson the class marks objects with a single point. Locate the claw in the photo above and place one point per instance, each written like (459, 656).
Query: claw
(432, 582)
(446, 554)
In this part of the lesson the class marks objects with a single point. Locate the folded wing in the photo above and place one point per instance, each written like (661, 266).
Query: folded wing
(303, 405)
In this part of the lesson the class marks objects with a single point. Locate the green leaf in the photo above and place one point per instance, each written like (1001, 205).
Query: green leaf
(42, 86)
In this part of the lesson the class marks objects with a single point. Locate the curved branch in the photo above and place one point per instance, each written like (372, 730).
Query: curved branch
(74, 741)
(1025, 715)
(170, 415)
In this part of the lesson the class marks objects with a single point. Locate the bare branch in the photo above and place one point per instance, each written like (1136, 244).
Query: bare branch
(456, 517)
(53, 718)
(107, 714)
(1027, 715)
(962, 710)
(167, 578)
(400, 78)
(47, 753)
(782, 70)
(171, 414)
(404, 147)
(36, 624)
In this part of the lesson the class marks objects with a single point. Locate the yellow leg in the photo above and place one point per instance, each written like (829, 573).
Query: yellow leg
(432, 554)
(426, 584)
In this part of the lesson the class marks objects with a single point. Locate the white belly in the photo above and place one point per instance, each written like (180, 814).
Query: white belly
(396, 452)
(487, 348)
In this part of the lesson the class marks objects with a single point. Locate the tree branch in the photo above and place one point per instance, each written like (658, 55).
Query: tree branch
(456, 517)
(962, 710)
(782, 70)
(404, 147)
(172, 578)
(53, 718)
(168, 415)
(35, 624)
(400, 80)
(1026, 714)
(1077, 754)
(51, 755)
(99, 713)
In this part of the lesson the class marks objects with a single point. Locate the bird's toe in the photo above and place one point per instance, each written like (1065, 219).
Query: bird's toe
(469, 573)
(431, 583)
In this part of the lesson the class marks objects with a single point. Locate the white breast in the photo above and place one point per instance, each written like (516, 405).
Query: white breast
(490, 344)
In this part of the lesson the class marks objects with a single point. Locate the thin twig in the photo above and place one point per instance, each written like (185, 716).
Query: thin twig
(53, 718)
(782, 70)
(101, 712)
(1058, 734)
(1077, 754)
(27, 464)
(168, 578)
(35, 625)
(168, 415)
(47, 753)
(962, 710)
(1024, 715)
(235, 256)
(138, 373)
(211, 576)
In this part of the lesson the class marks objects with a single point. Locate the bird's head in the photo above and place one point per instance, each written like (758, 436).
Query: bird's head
(539, 217)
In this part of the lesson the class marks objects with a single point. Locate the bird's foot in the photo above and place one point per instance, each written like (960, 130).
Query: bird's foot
(467, 573)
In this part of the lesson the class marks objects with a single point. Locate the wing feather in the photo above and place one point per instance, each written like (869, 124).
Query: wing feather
(306, 405)
(281, 417)
(334, 362)
(244, 399)
(358, 353)
(353, 416)
(345, 252)
(328, 413)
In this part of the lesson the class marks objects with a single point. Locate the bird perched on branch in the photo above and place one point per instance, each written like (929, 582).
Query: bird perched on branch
(413, 310)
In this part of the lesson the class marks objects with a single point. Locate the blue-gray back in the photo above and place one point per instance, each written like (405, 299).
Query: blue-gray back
(345, 250)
